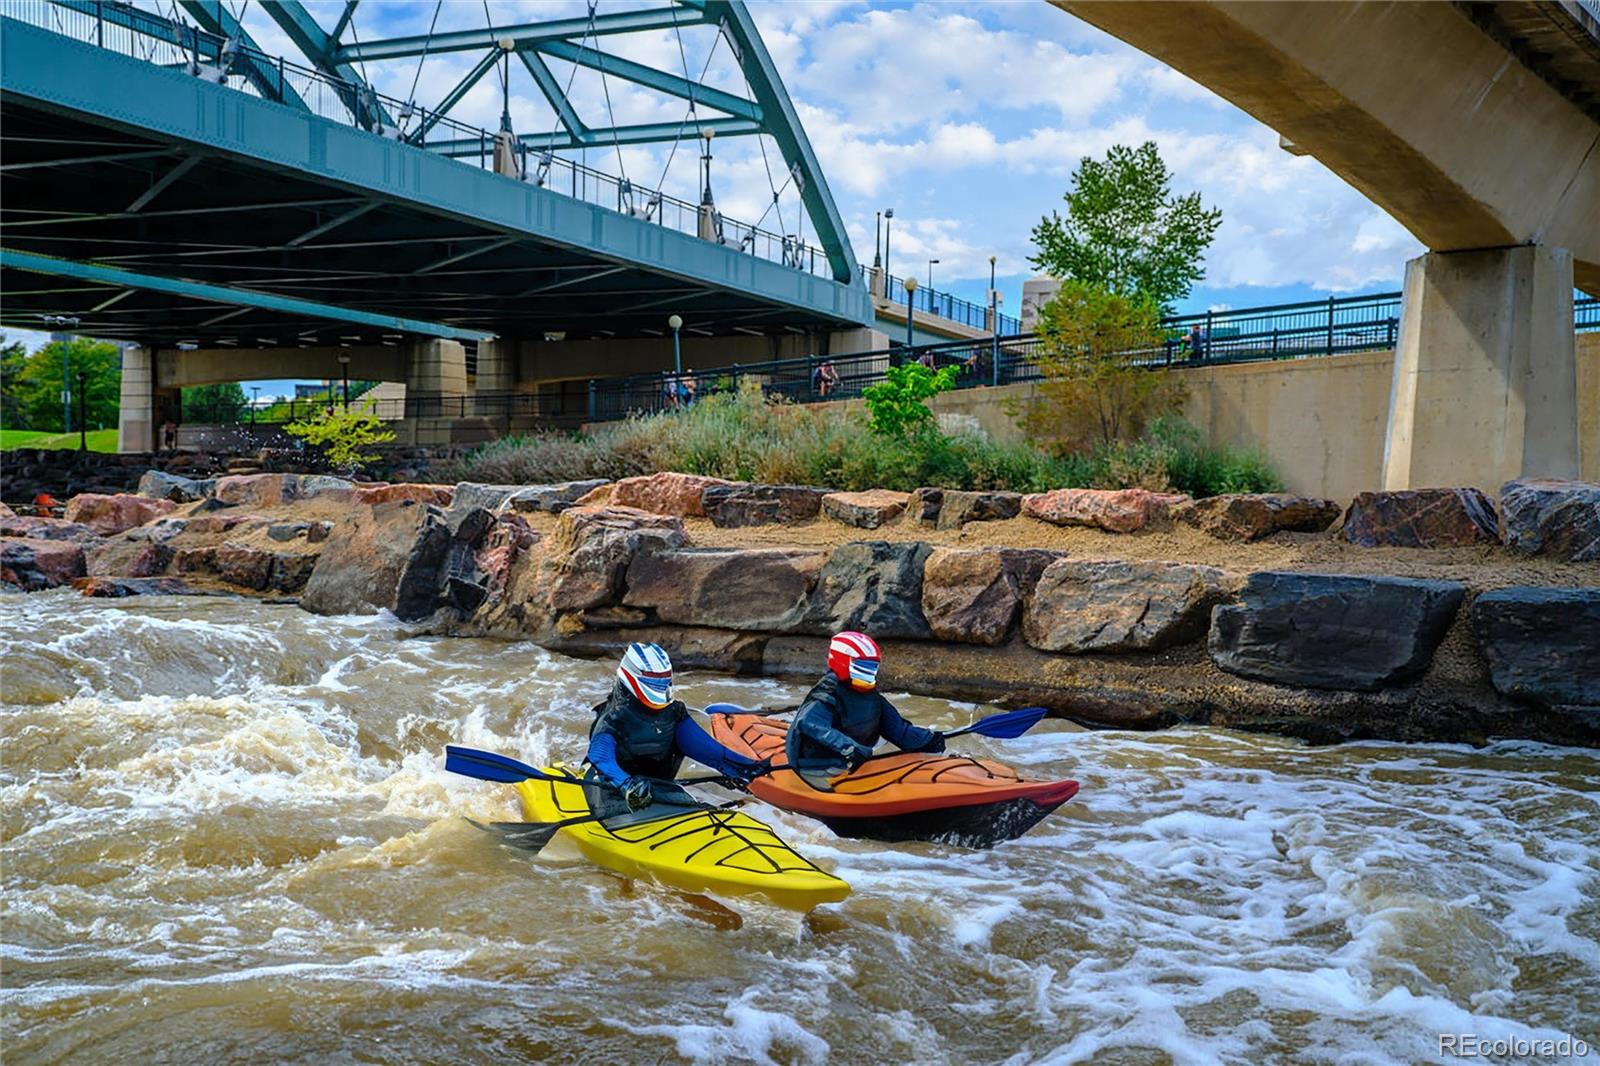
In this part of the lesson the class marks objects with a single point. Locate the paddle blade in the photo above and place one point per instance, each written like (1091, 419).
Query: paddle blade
(725, 708)
(527, 836)
(487, 766)
(1007, 725)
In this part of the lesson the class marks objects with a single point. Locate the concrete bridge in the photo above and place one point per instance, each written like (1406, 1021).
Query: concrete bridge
(1477, 126)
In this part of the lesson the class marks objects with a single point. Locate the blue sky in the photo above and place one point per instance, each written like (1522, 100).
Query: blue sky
(966, 118)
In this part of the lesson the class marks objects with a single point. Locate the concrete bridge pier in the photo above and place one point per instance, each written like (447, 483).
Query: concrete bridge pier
(1485, 372)
(145, 405)
(435, 370)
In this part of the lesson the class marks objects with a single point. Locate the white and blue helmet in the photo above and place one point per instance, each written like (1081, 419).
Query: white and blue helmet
(647, 672)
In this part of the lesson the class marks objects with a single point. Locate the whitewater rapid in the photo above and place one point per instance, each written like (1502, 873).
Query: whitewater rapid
(228, 836)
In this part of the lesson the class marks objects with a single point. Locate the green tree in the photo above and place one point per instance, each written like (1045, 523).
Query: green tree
(33, 392)
(345, 436)
(1095, 391)
(897, 407)
(13, 410)
(1124, 230)
(220, 403)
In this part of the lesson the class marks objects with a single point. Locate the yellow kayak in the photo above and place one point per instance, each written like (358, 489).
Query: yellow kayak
(723, 852)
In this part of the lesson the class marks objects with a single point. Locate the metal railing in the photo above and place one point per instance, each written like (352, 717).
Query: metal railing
(141, 34)
(933, 302)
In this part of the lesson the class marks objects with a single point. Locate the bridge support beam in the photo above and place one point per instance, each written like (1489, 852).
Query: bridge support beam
(1485, 372)
(144, 406)
(435, 370)
(497, 366)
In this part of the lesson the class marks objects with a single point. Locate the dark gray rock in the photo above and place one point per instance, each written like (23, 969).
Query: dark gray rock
(1549, 516)
(285, 531)
(974, 595)
(471, 494)
(959, 507)
(736, 506)
(873, 586)
(552, 499)
(1333, 631)
(763, 589)
(386, 557)
(1114, 606)
(1542, 644)
(160, 485)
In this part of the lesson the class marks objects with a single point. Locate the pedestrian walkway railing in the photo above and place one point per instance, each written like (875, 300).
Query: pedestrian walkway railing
(141, 34)
(928, 301)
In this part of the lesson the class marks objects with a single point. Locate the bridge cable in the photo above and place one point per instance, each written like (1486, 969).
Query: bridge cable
(411, 98)
(693, 85)
(605, 87)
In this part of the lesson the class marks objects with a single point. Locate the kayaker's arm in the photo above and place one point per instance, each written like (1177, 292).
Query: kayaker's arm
(905, 736)
(603, 757)
(698, 745)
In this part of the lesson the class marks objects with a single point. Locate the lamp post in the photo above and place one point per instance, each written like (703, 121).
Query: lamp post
(888, 224)
(994, 327)
(66, 387)
(877, 241)
(255, 391)
(676, 322)
(83, 411)
(911, 292)
(931, 262)
(344, 373)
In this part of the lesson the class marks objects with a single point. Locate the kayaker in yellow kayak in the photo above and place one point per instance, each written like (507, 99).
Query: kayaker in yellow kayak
(640, 734)
(844, 715)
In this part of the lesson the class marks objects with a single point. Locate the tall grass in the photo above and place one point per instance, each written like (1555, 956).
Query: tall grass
(742, 436)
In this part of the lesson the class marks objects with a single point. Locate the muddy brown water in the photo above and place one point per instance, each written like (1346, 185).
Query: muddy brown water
(228, 837)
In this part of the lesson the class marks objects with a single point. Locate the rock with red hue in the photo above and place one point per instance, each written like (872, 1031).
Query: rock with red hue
(272, 490)
(113, 514)
(737, 506)
(1253, 515)
(667, 493)
(730, 588)
(121, 587)
(35, 528)
(1113, 605)
(865, 510)
(502, 547)
(1421, 518)
(587, 556)
(39, 564)
(127, 557)
(1550, 516)
(223, 523)
(371, 495)
(973, 595)
(389, 557)
(1113, 510)
(195, 560)
(242, 565)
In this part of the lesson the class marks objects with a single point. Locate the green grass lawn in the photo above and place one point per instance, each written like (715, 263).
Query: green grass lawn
(100, 440)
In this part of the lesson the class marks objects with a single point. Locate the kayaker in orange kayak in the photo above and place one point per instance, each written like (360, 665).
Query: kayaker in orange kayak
(844, 715)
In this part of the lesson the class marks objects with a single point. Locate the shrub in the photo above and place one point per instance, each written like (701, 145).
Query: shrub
(344, 435)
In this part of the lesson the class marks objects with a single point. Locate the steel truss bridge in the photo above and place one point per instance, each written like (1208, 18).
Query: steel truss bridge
(169, 182)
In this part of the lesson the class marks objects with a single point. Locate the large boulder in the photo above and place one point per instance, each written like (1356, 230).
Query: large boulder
(1253, 515)
(552, 499)
(666, 493)
(1549, 516)
(160, 485)
(960, 507)
(1112, 510)
(129, 557)
(871, 586)
(865, 510)
(1114, 605)
(974, 595)
(1333, 631)
(39, 564)
(761, 589)
(372, 495)
(587, 556)
(501, 549)
(272, 490)
(256, 568)
(735, 506)
(387, 557)
(1542, 644)
(113, 514)
(13, 525)
(1421, 518)
(470, 495)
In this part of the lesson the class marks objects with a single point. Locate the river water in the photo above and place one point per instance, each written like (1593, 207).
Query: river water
(228, 837)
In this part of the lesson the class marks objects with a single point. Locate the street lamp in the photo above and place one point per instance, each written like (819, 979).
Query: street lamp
(994, 327)
(83, 411)
(877, 241)
(344, 372)
(911, 291)
(888, 224)
(255, 392)
(676, 322)
(930, 275)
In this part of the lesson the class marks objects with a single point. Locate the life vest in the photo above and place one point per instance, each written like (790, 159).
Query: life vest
(646, 741)
(858, 715)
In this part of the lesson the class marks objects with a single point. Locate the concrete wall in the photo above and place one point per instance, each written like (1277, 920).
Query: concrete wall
(1320, 421)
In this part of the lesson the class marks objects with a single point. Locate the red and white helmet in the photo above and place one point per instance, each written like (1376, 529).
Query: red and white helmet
(853, 658)
(647, 672)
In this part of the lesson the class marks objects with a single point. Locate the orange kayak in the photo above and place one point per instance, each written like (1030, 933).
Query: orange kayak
(950, 799)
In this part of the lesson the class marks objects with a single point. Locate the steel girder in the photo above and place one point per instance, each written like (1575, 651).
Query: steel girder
(214, 17)
(322, 49)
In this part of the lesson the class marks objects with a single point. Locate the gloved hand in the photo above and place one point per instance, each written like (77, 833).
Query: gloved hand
(636, 791)
(855, 755)
(936, 745)
(744, 771)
